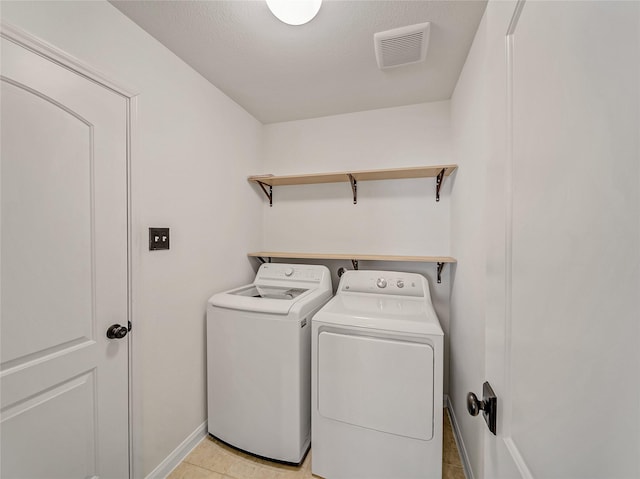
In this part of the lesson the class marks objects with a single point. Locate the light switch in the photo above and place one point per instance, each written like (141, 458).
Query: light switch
(158, 238)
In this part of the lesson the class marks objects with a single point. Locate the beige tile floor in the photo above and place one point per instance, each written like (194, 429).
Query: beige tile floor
(214, 460)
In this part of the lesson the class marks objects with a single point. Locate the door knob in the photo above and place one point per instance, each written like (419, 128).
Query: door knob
(116, 331)
(488, 406)
(474, 406)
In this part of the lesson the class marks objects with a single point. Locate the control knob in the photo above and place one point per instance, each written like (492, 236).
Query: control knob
(288, 271)
(400, 284)
(381, 283)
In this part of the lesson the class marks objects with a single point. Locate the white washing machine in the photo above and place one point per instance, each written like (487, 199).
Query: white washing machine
(259, 361)
(377, 371)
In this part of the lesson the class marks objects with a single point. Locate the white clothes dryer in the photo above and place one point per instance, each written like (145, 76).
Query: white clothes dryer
(377, 372)
(259, 361)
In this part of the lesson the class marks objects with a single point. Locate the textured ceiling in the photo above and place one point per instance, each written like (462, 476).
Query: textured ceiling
(279, 72)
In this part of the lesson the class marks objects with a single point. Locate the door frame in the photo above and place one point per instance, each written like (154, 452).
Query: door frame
(499, 318)
(130, 95)
(510, 445)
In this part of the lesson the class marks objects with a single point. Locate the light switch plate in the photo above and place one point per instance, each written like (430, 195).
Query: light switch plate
(158, 238)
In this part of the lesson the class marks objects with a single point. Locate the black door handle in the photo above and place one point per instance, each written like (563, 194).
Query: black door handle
(116, 331)
(488, 406)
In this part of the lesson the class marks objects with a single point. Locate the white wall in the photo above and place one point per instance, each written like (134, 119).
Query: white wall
(471, 126)
(391, 217)
(194, 148)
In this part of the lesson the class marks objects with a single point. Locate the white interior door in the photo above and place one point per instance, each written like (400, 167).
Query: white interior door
(562, 346)
(64, 384)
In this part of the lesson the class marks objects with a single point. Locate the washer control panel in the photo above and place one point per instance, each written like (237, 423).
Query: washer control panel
(381, 283)
(290, 272)
(384, 282)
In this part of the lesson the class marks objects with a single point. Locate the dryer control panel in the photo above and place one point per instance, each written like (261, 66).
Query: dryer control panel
(384, 282)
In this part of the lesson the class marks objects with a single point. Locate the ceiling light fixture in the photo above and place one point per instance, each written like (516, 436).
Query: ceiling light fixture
(294, 12)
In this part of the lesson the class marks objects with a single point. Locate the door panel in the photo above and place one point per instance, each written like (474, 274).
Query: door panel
(63, 264)
(581, 226)
(64, 444)
(562, 342)
(46, 208)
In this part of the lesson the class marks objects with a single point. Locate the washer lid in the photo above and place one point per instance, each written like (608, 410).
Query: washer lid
(261, 299)
(284, 293)
(389, 313)
(277, 288)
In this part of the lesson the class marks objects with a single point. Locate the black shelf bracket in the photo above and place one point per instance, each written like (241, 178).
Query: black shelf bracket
(354, 189)
(354, 262)
(268, 194)
(440, 266)
(264, 260)
(439, 180)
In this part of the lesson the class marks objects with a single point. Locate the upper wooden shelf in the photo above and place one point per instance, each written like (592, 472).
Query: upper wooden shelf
(436, 171)
(363, 175)
(354, 258)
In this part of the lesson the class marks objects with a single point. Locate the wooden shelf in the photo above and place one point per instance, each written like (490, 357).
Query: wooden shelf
(357, 257)
(436, 171)
(364, 175)
(263, 256)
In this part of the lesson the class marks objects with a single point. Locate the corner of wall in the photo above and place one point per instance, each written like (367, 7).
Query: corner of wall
(470, 119)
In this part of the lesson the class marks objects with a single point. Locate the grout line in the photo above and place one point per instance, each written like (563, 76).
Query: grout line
(203, 468)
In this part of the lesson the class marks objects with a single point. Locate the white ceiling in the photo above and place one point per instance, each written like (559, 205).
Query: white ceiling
(279, 72)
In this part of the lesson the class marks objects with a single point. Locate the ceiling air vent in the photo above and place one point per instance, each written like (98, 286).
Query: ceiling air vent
(402, 46)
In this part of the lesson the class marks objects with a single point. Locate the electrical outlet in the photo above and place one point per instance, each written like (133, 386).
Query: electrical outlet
(158, 238)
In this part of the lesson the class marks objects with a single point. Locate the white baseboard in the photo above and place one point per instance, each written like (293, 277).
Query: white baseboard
(179, 453)
(468, 473)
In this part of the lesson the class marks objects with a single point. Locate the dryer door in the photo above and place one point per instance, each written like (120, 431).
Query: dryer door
(380, 384)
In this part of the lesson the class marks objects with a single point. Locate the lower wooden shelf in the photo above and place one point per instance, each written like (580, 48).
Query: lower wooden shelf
(264, 256)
